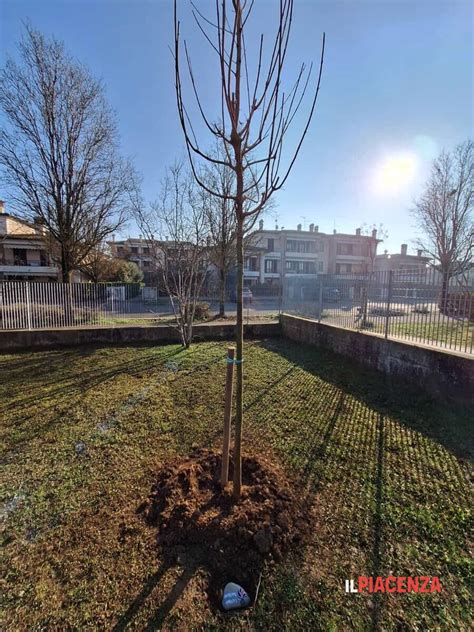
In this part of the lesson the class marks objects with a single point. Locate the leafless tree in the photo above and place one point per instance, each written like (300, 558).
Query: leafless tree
(176, 228)
(375, 235)
(58, 150)
(254, 117)
(222, 222)
(444, 214)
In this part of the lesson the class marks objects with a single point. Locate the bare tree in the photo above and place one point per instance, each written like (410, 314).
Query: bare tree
(375, 235)
(221, 220)
(58, 150)
(176, 228)
(444, 214)
(255, 115)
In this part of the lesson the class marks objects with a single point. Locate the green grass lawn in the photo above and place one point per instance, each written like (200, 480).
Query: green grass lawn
(83, 431)
(451, 334)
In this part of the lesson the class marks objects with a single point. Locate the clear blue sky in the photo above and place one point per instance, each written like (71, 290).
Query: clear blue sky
(397, 87)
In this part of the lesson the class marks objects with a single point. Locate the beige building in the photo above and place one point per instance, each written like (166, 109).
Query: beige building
(140, 251)
(406, 265)
(283, 253)
(24, 252)
(23, 255)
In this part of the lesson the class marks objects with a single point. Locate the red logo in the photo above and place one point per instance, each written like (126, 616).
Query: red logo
(392, 584)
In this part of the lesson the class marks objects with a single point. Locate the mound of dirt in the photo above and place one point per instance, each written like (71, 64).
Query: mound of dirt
(200, 525)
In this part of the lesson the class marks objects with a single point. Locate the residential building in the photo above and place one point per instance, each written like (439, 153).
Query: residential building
(282, 253)
(140, 251)
(23, 254)
(408, 266)
(24, 251)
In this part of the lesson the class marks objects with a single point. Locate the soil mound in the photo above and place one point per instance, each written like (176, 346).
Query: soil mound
(200, 525)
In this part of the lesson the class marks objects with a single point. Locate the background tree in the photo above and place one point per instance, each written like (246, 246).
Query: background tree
(221, 220)
(58, 150)
(255, 115)
(444, 214)
(375, 234)
(176, 228)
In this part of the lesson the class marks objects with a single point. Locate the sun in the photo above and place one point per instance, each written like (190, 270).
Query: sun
(394, 173)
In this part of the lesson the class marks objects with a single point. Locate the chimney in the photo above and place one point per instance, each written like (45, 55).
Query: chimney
(2, 206)
(374, 233)
(419, 253)
(358, 232)
(260, 225)
(385, 252)
(404, 249)
(334, 231)
(316, 229)
(113, 236)
(311, 228)
(298, 227)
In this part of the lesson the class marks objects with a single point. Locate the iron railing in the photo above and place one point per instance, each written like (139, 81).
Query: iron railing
(421, 305)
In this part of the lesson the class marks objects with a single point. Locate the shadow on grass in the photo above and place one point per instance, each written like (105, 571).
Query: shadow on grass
(449, 425)
(157, 619)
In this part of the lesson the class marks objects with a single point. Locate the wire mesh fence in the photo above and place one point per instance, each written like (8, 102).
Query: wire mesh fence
(418, 305)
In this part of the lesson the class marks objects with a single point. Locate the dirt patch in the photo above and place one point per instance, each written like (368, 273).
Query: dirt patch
(200, 525)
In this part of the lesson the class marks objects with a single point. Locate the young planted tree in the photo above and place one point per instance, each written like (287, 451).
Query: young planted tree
(444, 214)
(58, 150)
(254, 116)
(176, 228)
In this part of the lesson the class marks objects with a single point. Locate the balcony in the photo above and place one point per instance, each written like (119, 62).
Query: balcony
(28, 270)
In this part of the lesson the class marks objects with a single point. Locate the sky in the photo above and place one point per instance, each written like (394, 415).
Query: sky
(397, 88)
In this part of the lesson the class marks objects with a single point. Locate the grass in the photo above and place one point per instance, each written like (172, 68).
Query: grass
(455, 334)
(83, 431)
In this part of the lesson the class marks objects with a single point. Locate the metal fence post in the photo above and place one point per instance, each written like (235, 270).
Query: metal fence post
(389, 300)
(28, 304)
(320, 297)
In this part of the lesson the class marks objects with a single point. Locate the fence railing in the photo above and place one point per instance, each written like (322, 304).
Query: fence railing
(412, 305)
(417, 305)
(44, 305)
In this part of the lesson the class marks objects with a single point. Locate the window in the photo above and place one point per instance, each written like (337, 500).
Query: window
(271, 265)
(271, 245)
(19, 257)
(298, 245)
(43, 258)
(321, 246)
(146, 264)
(345, 249)
(120, 250)
(343, 268)
(135, 250)
(320, 266)
(251, 264)
(301, 267)
(146, 250)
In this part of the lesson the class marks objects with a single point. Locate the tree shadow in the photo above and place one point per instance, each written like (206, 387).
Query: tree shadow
(448, 424)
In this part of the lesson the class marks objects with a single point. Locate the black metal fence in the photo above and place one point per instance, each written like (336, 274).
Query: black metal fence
(418, 305)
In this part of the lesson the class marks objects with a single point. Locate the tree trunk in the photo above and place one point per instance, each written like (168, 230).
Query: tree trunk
(222, 293)
(65, 267)
(444, 298)
(239, 334)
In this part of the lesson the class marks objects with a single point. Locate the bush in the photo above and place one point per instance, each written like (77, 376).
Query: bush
(202, 311)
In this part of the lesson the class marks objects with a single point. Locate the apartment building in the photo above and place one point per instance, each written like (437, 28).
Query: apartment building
(23, 255)
(140, 251)
(405, 264)
(282, 253)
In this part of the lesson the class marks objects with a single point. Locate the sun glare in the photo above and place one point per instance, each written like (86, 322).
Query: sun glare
(394, 173)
